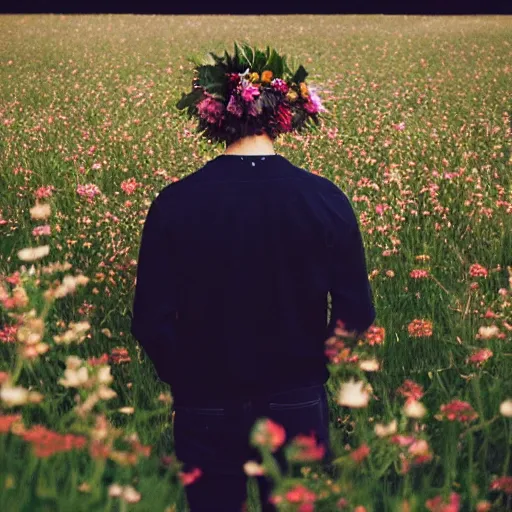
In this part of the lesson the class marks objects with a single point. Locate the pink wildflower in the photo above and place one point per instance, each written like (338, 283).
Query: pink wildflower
(90, 190)
(477, 270)
(410, 390)
(129, 186)
(43, 192)
(480, 356)
(418, 274)
(41, 230)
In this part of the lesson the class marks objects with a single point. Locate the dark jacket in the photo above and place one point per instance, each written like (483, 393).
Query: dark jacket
(235, 265)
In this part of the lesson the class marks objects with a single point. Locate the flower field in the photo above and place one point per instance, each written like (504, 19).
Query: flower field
(417, 133)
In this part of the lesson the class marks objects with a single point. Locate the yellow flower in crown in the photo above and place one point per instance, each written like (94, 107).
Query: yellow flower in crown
(291, 95)
(266, 76)
(253, 77)
(304, 92)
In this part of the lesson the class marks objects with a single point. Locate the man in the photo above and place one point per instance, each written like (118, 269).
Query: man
(235, 265)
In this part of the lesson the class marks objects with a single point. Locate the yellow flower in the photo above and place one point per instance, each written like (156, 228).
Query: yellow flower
(253, 77)
(291, 95)
(304, 92)
(266, 76)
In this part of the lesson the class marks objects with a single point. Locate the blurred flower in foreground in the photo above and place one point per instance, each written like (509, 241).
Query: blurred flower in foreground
(33, 253)
(190, 477)
(410, 390)
(11, 396)
(457, 410)
(252, 468)
(268, 433)
(502, 483)
(305, 448)
(438, 505)
(40, 211)
(382, 430)
(486, 333)
(369, 365)
(506, 408)
(352, 394)
(414, 409)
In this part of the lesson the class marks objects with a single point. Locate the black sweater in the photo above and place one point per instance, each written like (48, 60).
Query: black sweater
(235, 265)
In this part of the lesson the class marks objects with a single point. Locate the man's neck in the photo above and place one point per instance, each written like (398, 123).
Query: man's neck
(252, 145)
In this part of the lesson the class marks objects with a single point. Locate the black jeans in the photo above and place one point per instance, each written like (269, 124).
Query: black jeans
(216, 440)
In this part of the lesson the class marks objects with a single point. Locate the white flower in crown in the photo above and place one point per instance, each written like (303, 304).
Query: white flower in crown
(246, 72)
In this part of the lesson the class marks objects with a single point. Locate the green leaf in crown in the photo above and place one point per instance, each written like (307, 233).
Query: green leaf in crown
(187, 100)
(212, 78)
(300, 75)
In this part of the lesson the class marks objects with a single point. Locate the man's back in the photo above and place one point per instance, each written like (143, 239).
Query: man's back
(241, 256)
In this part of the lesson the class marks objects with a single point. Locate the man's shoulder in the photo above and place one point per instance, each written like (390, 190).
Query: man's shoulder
(178, 185)
(313, 182)
(320, 183)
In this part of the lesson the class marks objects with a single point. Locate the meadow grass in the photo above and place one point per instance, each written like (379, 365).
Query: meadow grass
(418, 135)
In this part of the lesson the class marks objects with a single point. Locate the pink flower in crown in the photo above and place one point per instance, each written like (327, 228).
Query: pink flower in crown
(234, 106)
(211, 109)
(279, 85)
(249, 92)
(314, 104)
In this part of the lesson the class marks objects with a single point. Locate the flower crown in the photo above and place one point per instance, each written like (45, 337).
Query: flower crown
(251, 91)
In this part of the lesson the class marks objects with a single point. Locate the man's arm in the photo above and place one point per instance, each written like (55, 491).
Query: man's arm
(352, 299)
(154, 306)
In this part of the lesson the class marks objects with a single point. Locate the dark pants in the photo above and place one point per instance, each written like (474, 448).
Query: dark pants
(216, 440)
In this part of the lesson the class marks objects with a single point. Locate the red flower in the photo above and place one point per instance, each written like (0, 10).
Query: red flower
(6, 421)
(304, 448)
(190, 477)
(98, 361)
(284, 118)
(420, 328)
(477, 270)
(418, 274)
(375, 335)
(46, 442)
(359, 454)
(502, 483)
(129, 186)
(480, 356)
(268, 433)
(458, 410)
(410, 390)
(43, 192)
(300, 494)
(437, 505)
(119, 355)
